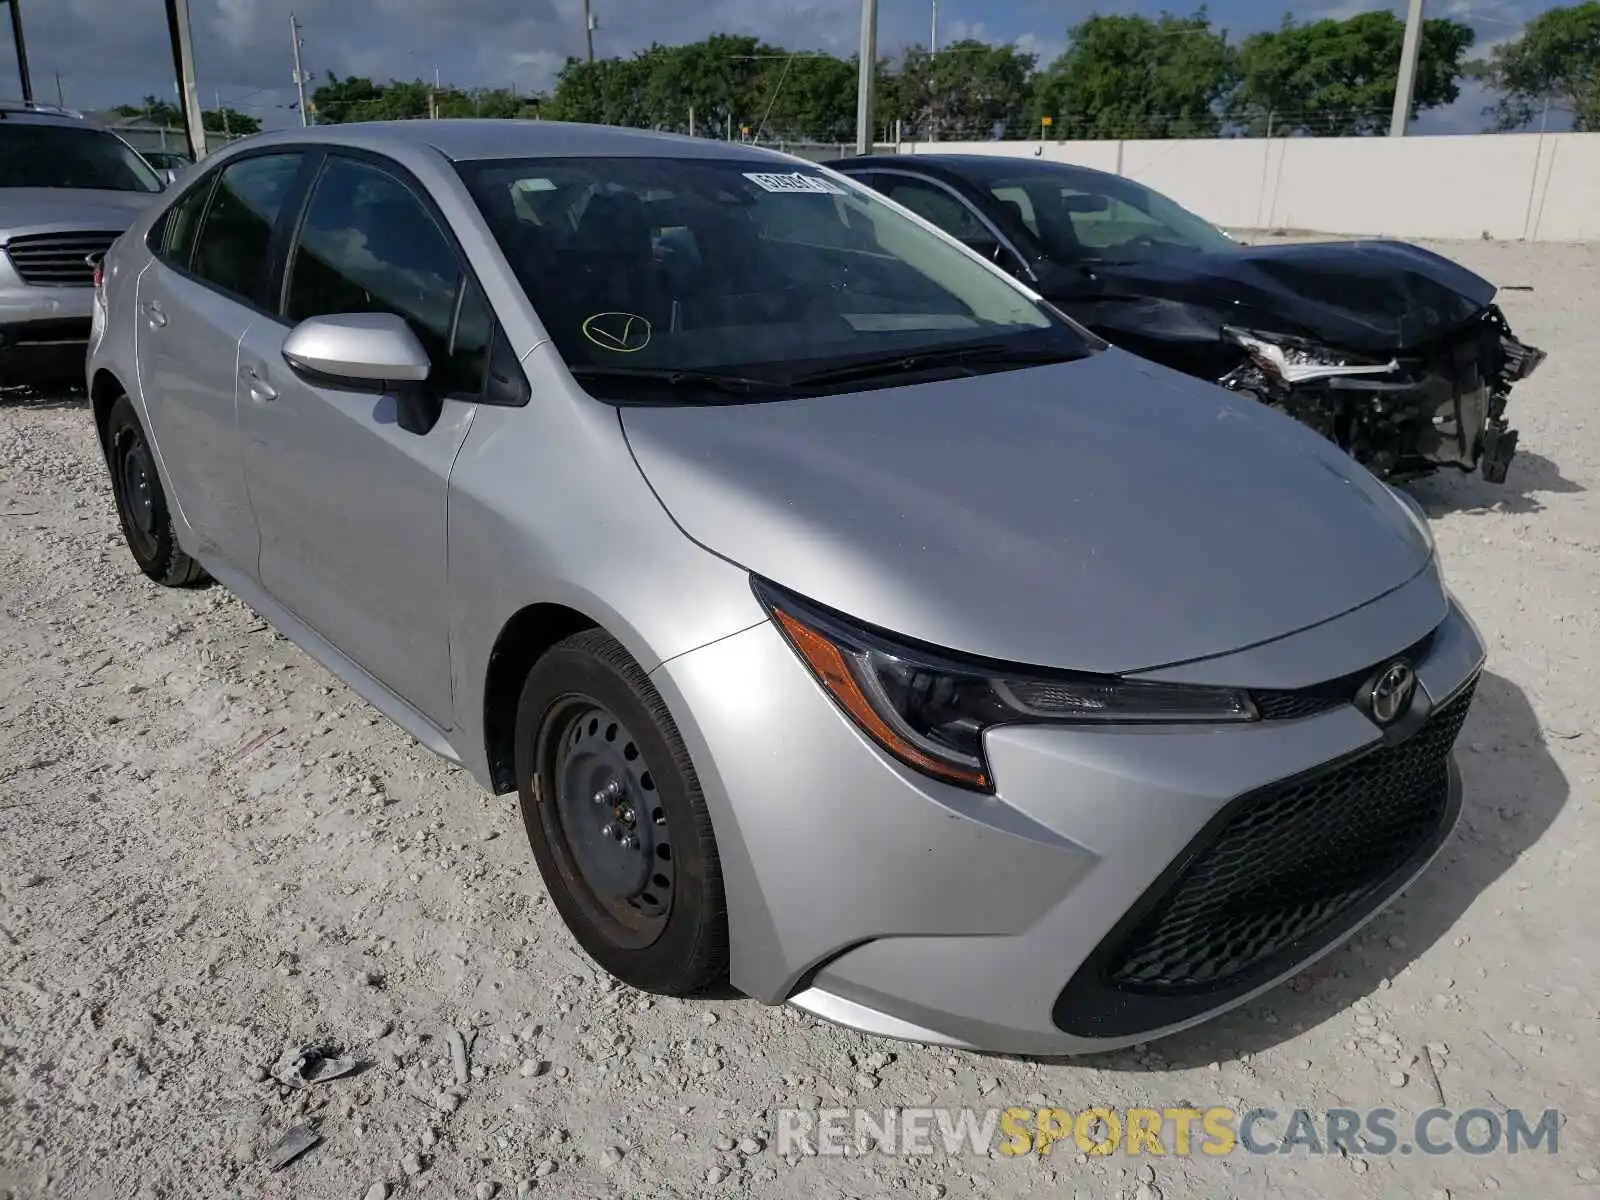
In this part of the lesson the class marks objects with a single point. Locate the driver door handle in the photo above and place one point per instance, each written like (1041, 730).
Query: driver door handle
(154, 315)
(260, 390)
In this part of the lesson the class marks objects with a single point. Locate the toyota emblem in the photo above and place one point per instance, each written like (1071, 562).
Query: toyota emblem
(1391, 692)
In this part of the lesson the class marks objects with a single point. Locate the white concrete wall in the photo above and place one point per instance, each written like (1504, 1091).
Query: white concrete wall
(1534, 187)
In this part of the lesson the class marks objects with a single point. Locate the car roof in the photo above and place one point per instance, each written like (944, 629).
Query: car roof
(980, 168)
(467, 140)
(39, 114)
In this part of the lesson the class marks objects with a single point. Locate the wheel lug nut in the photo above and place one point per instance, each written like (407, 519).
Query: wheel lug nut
(626, 816)
(608, 830)
(628, 841)
(610, 794)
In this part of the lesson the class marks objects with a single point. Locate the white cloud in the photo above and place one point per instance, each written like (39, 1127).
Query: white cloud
(1044, 50)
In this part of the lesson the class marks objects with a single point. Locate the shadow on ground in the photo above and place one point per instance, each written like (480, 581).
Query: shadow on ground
(1513, 793)
(15, 396)
(1531, 476)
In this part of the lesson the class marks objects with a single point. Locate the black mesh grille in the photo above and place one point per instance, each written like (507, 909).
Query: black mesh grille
(1293, 858)
(1293, 706)
(57, 259)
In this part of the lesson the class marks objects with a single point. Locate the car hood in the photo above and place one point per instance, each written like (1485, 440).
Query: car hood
(1370, 296)
(1106, 515)
(31, 210)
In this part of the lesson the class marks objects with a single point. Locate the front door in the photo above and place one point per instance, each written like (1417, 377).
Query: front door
(350, 506)
(195, 303)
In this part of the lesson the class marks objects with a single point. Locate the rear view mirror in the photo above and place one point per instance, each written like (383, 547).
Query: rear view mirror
(1081, 203)
(361, 351)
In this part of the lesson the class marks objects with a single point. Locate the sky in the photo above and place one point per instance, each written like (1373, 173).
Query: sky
(116, 51)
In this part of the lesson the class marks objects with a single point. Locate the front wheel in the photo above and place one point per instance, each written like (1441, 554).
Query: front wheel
(142, 505)
(616, 819)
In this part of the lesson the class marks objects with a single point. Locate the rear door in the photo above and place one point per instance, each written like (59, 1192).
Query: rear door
(350, 506)
(195, 301)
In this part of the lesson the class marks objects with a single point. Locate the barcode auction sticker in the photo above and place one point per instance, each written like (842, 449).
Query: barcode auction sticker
(795, 183)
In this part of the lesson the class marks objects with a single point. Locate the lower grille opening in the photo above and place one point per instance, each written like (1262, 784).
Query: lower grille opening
(1280, 872)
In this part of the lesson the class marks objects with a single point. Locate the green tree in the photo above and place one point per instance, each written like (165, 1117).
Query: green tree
(153, 109)
(357, 98)
(608, 91)
(1338, 77)
(969, 89)
(215, 120)
(807, 97)
(229, 121)
(1556, 63)
(1130, 77)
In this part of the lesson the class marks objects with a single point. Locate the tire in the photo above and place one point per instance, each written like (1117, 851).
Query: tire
(653, 914)
(141, 503)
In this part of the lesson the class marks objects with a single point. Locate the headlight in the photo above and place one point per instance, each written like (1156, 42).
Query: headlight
(1294, 360)
(930, 711)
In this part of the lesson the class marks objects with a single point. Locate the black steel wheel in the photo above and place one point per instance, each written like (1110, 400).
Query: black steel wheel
(607, 824)
(141, 504)
(616, 819)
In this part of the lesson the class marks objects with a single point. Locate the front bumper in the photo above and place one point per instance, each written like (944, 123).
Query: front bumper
(872, 896)
(44, 332)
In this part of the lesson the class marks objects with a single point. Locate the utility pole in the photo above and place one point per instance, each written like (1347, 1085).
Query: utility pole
(933, 35)
(178, 30)
(61, 92)
(588, 30)
(869, 66)
(299, 75)
(22, 51)
(1405, 86)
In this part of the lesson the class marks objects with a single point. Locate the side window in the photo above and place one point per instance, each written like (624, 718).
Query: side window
(174, 238)
(236, 232)
(368, 244)
(933, 203)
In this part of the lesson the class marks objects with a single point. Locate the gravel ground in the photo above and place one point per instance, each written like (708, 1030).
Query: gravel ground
(212, 853)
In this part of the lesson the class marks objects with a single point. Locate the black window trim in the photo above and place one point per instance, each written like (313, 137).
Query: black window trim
(208, 181)
(919, 177)
(292, 222)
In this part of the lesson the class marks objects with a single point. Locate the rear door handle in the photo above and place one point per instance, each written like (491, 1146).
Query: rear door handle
(260, 390)
(154, 315)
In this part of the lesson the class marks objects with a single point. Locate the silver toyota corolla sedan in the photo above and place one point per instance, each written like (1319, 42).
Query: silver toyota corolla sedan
(852, 625)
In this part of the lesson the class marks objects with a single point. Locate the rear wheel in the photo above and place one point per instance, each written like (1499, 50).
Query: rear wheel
(142, 505)
(616, 819)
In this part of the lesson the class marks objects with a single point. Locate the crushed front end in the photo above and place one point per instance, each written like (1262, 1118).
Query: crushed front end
(1439, 404)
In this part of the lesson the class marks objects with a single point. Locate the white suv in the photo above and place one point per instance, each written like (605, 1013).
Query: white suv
(68, 188)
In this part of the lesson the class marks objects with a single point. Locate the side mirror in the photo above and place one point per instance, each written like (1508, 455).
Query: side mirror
(358, 351)
(367, 352)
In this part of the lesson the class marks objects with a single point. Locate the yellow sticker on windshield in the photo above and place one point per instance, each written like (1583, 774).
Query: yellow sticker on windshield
(620, 333)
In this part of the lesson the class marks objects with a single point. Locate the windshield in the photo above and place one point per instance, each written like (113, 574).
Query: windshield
(649, 266)
(59, 156)
(1082, 217)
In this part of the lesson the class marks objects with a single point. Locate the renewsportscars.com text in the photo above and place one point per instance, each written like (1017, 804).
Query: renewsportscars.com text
(1157, 1132)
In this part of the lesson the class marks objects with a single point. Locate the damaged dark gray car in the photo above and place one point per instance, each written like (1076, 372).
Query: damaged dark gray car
(1398, 355)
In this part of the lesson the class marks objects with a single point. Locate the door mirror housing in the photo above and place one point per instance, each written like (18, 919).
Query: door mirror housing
(358, 351)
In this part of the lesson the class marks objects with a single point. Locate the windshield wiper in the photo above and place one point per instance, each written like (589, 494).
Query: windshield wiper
(680, 377)
(989, 353)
